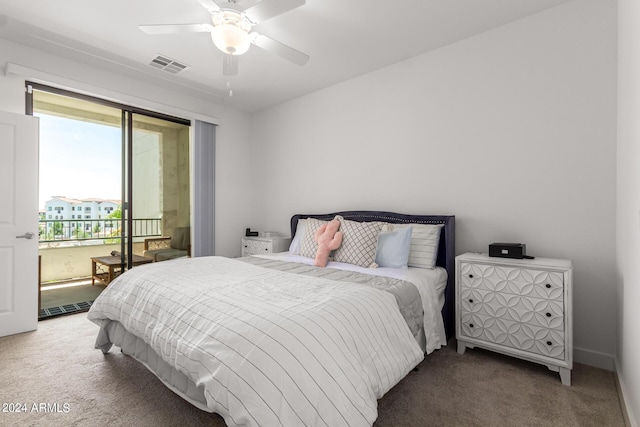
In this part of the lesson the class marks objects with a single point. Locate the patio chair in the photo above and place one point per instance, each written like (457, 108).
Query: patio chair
(166, 248)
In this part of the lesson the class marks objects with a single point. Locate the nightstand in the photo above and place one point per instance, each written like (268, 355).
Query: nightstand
(517, 307)
(264, 245)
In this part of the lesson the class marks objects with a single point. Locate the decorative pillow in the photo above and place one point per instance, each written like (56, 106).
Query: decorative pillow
(296, 242)
(424, 244)
(393, 248)
(308, 245)
(359, 241)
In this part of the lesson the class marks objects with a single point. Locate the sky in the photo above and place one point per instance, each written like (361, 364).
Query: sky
(79, 160)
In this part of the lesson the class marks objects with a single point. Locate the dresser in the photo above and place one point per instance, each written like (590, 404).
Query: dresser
(264, 245)
(517, 307)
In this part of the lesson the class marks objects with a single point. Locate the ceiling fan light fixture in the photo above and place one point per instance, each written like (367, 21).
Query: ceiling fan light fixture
(230, 33)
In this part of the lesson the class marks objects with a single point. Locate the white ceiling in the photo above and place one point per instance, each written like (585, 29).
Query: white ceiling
(344, 38)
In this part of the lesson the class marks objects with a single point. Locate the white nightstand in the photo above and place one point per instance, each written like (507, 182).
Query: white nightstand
(518, 307)
(264, 245)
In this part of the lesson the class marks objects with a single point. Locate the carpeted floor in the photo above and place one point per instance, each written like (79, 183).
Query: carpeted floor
(70, 383)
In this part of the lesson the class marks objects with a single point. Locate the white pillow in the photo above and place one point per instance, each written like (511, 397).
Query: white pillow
(296, 242)
(425, 239)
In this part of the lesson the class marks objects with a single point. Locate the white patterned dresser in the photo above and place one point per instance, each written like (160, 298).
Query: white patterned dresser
(518, 307)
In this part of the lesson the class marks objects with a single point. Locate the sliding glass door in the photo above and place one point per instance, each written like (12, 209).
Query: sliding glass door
(112, 178)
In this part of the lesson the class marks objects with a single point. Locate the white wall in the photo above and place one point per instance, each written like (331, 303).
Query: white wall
(513, 131)
(233, 189)
(628, 205)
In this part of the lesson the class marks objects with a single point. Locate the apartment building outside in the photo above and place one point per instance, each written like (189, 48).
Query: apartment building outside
(65, 217)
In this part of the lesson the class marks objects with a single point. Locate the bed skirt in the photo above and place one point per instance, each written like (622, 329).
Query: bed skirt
(114, 333)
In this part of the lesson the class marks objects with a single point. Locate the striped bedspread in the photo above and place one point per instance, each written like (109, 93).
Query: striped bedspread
(268, 347)
(406, 294)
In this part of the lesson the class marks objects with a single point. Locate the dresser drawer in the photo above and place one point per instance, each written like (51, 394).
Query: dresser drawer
(512, 280)
(536, 312)
(515, 335)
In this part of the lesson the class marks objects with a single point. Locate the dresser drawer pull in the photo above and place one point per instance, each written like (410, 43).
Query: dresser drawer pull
(549, 343)
(471, 300)
(547, 286)
(471, 325)
(266, 249)
(471, 276)
(548, 314)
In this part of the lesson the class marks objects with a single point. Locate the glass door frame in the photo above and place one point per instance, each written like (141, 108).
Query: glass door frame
(126, 244)
(126, 238)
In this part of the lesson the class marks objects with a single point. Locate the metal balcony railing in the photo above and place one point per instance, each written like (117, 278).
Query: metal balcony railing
(64, 230)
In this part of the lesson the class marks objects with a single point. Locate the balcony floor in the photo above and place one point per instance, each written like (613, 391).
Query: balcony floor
(69, 298)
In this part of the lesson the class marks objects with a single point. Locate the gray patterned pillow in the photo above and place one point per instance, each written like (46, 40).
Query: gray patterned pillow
(359, 242)
(309, 246)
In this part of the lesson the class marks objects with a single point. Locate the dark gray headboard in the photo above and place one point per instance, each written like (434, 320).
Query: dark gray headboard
(446, 249)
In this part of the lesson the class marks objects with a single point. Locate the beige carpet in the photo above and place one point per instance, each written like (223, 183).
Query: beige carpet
(79, 386)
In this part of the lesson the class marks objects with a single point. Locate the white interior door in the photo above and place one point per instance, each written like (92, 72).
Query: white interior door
(18, 223)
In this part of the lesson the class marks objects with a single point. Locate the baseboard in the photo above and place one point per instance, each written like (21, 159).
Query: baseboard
(594, 358)
(609, 363)
(629, 417)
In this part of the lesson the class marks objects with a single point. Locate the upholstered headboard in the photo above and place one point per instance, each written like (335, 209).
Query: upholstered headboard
(446, 248)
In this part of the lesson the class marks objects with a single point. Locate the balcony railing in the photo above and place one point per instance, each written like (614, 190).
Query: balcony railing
(109, 230)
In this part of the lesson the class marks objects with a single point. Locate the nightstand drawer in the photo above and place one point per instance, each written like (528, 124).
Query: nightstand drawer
(255, 247)
(264, 245)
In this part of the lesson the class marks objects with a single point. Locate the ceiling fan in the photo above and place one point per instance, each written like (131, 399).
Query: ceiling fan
(231, 30)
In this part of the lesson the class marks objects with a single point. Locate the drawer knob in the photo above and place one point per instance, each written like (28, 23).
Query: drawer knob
(266, 250)
(471, 325)
(549, 343)
(471, 276)
(548, 314)
(547, 286)
(471, 300)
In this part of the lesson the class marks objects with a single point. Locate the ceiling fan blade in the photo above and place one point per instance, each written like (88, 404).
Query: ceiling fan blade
(269, 8)
(176, 28)
(282, 50)
(210, 5)
(230, 65)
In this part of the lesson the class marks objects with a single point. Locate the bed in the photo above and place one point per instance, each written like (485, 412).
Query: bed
(275, 340)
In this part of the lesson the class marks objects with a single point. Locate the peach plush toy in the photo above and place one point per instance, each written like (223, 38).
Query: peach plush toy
(329, 239)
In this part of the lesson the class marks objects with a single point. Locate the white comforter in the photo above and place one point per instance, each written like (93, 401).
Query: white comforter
(269, 347)
(431, 284)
